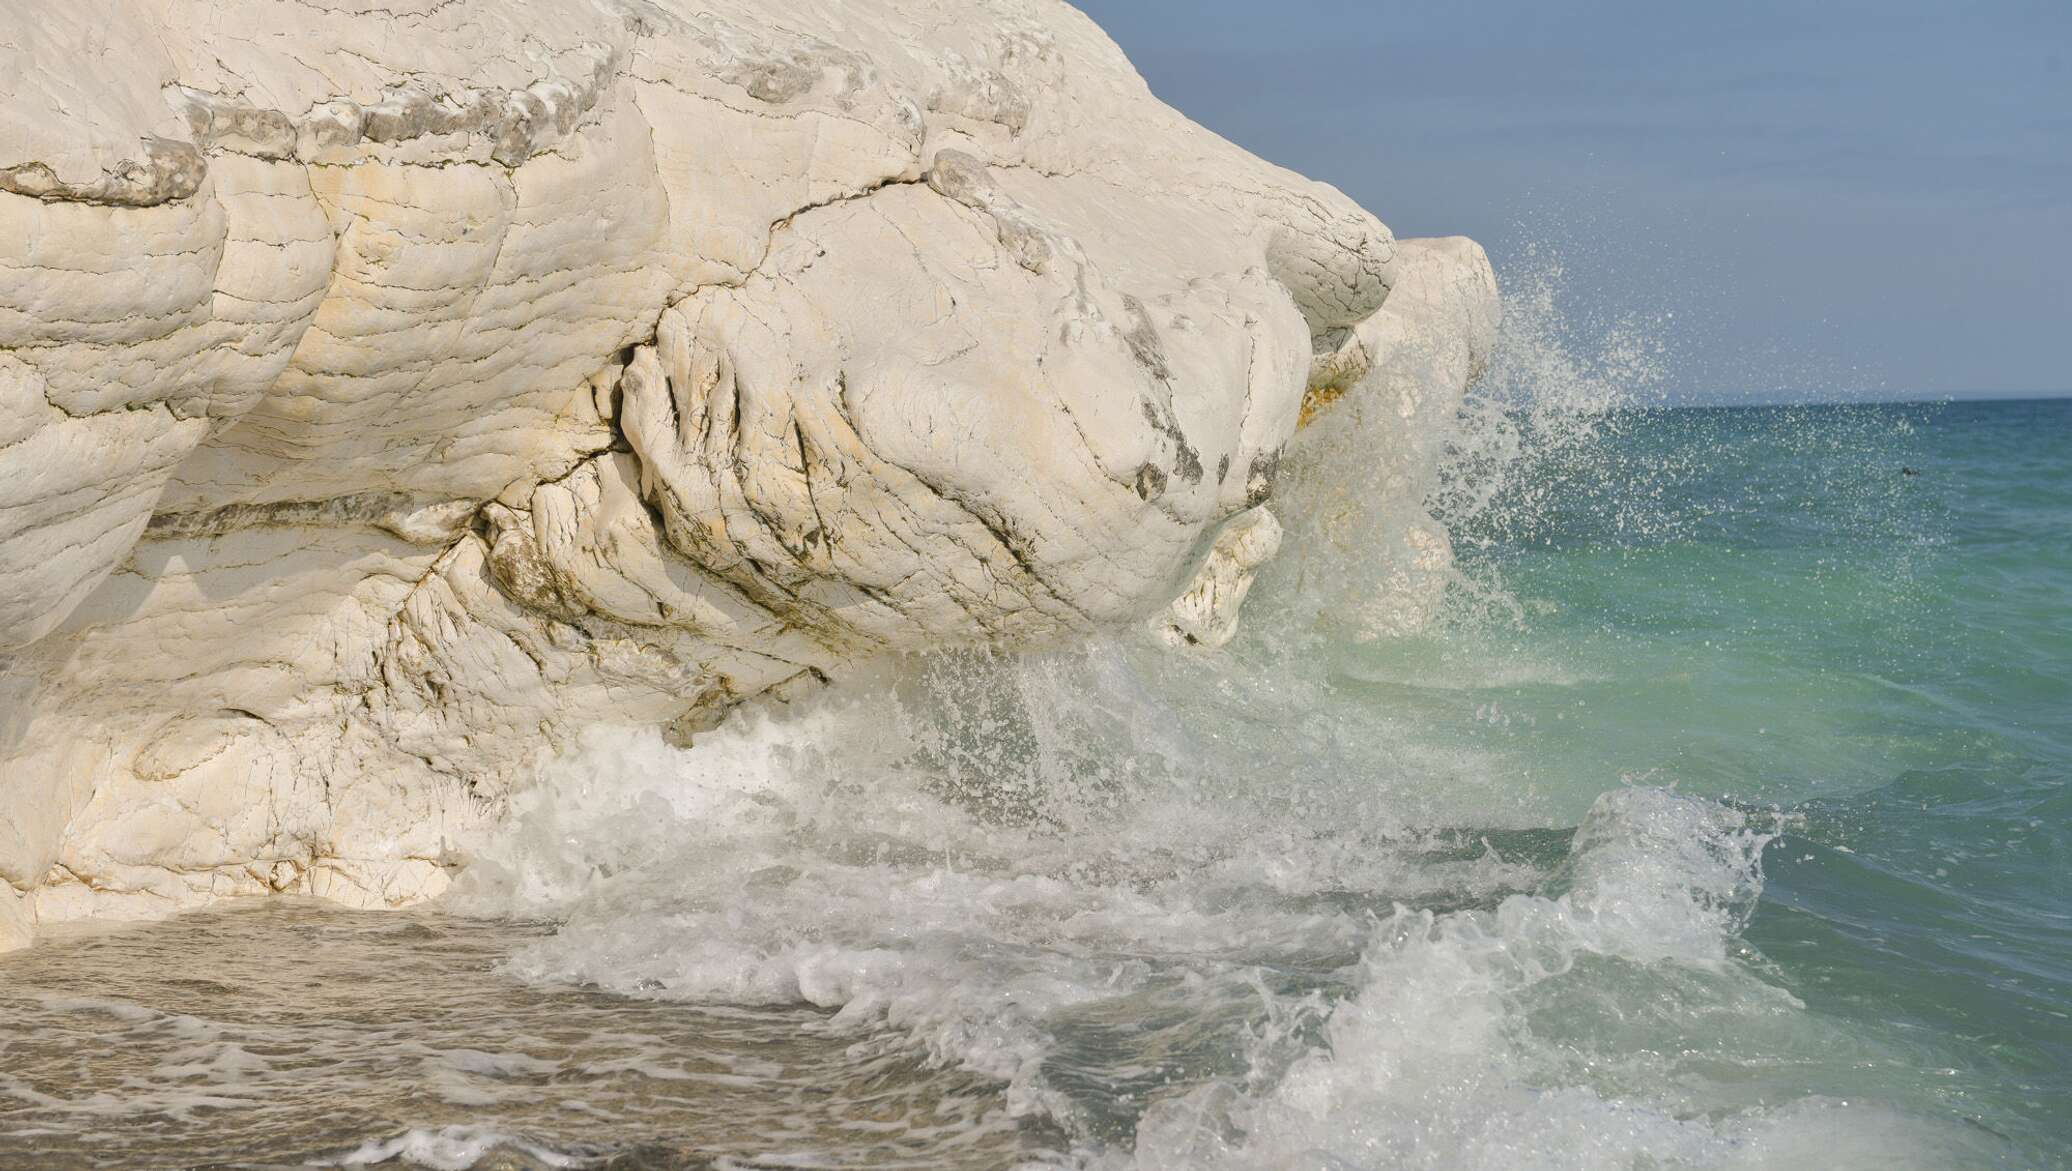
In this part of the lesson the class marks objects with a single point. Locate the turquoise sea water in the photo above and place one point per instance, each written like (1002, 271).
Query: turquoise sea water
(1769, 609)
(1890, 658)
(1721, 818)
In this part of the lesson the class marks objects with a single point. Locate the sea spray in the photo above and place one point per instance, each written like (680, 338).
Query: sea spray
(830, 857)
(1381, 494)
(1445, 1057)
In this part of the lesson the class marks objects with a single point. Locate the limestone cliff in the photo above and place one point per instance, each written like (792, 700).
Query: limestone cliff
(389, 389)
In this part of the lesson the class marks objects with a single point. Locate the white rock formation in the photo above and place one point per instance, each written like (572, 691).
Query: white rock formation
(1206, 614)
(389, 389)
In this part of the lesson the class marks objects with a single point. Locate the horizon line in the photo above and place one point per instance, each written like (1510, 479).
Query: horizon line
(1805, 399)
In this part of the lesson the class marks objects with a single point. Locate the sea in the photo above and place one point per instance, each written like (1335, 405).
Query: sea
(1710, 808)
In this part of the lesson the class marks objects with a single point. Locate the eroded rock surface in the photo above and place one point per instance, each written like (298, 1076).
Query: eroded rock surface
(389, 390)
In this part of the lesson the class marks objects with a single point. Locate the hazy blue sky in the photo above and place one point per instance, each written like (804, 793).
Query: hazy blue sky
(1831, 196)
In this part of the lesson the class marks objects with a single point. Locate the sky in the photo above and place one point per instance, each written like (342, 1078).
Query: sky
(1807, 199)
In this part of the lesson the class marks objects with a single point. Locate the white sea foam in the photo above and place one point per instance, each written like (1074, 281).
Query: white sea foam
(1446, 1058)
(844, 857)
(1586, 1010)
(452, 1148)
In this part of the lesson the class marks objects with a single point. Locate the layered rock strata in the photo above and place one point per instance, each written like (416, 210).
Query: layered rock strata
(389, 390)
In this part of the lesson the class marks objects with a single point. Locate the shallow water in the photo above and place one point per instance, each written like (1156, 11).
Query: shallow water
(1722, 820)
(294, 1032)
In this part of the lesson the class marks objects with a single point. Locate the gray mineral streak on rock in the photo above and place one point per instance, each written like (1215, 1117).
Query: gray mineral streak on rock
(167, 170)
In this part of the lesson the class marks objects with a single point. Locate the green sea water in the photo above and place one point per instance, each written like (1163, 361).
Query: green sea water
(1860, 616)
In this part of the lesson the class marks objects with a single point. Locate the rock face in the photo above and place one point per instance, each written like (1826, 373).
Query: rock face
(388, 390)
